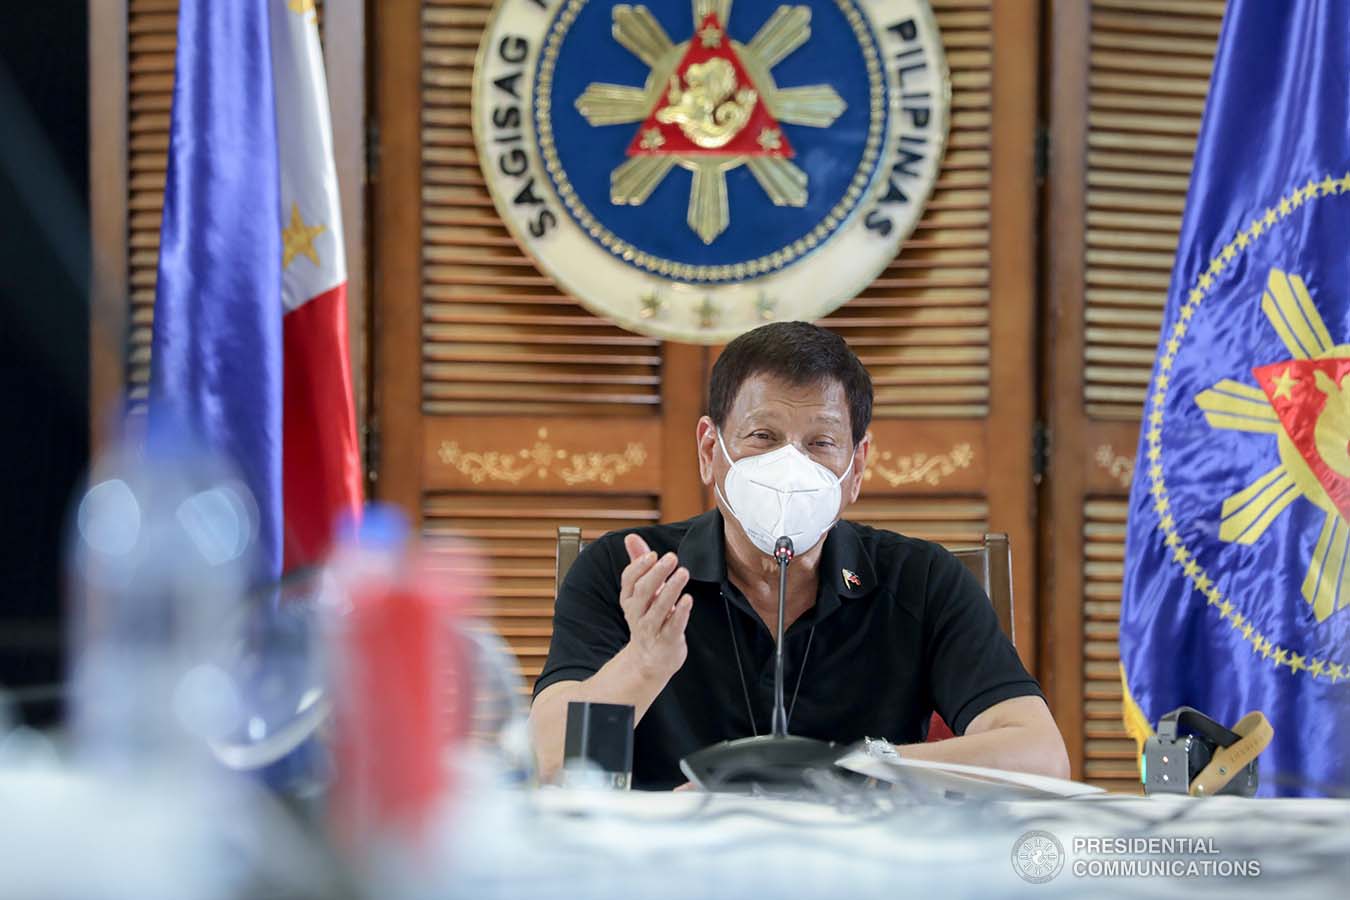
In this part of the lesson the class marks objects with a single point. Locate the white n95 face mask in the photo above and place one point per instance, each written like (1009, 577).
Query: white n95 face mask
(783, 492)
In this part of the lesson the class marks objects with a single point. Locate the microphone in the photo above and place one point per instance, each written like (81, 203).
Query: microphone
(773, 762)
(782, 551)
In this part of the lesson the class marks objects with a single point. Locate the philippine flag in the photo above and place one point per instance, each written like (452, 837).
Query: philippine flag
(250, 327)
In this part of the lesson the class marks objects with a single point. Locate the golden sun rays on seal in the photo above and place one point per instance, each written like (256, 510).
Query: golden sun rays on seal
(1305, 404)
(710, 105)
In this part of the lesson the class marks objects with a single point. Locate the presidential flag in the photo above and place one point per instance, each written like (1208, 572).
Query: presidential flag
(1237, 574)
(250, 337)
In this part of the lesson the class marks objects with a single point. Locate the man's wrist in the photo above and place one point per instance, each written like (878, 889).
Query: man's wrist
(644, 669)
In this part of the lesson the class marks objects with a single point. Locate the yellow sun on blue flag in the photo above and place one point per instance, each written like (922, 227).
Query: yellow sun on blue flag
(1237, 577)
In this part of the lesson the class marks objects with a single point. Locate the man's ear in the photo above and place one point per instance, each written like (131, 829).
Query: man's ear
(706, 436)
(859, 466)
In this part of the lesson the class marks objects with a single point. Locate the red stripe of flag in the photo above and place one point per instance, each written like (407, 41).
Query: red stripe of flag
(321, 459)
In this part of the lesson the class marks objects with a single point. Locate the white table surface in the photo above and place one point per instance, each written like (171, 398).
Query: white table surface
(63, 834)
(569, 844)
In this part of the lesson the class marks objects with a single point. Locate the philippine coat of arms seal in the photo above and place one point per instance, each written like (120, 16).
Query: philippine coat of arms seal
(692, 168)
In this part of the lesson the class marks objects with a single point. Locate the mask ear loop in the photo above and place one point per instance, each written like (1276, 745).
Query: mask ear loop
(723, 446)
(720, 496)
(850, 467)
(730, 462)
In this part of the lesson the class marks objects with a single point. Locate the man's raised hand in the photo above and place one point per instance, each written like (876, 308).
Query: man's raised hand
(654, 608)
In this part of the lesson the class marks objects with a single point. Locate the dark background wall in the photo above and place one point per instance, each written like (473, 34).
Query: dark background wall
(44, 368)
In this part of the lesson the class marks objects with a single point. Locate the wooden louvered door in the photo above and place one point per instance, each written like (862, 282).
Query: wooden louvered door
(952, 427)
(504, 407)
(1127, 89)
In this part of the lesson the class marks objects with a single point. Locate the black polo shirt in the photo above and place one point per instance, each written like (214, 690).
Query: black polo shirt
(901, 628)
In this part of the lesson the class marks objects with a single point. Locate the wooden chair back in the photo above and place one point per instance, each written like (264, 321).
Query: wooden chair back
(991, 564)
(569, 548)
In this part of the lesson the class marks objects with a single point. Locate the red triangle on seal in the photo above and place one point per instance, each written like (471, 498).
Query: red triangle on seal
(711, 106)
(1306, 394)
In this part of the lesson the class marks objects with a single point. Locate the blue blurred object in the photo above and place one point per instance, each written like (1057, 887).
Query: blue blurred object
(281, 670)
(382, 526)
(161, 553)
(285, 668)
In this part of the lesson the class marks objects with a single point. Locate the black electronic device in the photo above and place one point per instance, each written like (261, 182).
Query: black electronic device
(599, 737)
(1193, 754)
(774, 762)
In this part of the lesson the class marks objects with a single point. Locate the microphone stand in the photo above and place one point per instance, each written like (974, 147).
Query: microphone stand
(777, 761)
(782, 551)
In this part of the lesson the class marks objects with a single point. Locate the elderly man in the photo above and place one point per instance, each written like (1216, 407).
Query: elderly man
(881, 629)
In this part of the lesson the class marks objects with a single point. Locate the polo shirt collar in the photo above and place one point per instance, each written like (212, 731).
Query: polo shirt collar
(845, 569)
(701, 551)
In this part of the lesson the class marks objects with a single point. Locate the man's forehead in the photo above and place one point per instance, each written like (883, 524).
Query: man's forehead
(766, 395)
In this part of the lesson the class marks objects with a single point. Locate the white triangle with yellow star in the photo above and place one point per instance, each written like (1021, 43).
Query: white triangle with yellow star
(314, 260)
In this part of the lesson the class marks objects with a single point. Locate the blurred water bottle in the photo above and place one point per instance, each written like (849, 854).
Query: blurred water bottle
(160, 556)
(498, 748)
(401, 683)
(279, 667)
(496, 745)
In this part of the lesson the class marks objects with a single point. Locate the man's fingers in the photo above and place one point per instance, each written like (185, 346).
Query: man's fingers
(635, 546)
(652, 620)
(679, 617)
(645, 588)
(635, 570)
(668, 595)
